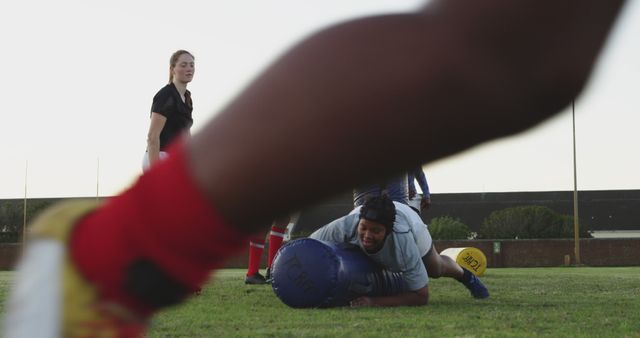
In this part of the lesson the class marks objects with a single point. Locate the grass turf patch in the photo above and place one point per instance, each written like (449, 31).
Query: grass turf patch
(528, 302)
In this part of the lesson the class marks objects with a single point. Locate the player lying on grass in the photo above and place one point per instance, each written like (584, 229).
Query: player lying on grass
(393, 235)
(463, 72)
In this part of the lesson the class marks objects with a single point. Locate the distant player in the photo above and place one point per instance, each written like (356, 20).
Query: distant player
(256, 248)
(418, 202)
(171, 108)
(396, 188)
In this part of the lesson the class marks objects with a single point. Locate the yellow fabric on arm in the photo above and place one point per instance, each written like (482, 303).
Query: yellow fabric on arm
(84, 313)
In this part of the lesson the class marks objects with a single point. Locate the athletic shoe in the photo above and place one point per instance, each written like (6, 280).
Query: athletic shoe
(255, 279)
(475, 286)
(268, 276)
(49, 296)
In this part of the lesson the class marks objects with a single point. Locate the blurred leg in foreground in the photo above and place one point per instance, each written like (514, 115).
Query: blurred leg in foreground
(465, 72)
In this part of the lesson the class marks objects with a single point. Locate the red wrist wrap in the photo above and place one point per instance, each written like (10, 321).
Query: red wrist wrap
(164, 218)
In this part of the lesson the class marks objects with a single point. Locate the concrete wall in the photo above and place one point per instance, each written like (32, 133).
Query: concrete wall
(508, 253)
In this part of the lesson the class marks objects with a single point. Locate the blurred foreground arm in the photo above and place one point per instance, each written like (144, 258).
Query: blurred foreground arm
(322, 115)
(317, 121)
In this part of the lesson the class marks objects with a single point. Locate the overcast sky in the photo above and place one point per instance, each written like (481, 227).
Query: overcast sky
(79, 77)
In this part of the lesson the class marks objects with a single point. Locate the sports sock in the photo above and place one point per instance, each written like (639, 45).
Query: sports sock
(256, 248)
(157, 242)
(276, 236)
(466, 276)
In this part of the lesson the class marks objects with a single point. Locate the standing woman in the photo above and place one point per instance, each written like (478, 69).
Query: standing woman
(171, 108)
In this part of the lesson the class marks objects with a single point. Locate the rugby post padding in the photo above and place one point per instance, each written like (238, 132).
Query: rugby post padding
(469, 258)
(312, 273)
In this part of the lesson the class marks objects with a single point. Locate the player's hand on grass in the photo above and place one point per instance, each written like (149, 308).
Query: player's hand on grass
(361, 301)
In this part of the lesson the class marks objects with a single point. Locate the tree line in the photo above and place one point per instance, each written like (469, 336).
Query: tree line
(12, 216)
(522, 222)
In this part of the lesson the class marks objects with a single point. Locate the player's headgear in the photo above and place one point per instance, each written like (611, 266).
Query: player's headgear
(379, 209)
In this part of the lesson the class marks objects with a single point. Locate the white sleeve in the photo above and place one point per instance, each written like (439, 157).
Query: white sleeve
(420, 230)
(338, 231)
(414, 272)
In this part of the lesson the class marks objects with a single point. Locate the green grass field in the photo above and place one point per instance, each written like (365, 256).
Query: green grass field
(532, 302)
